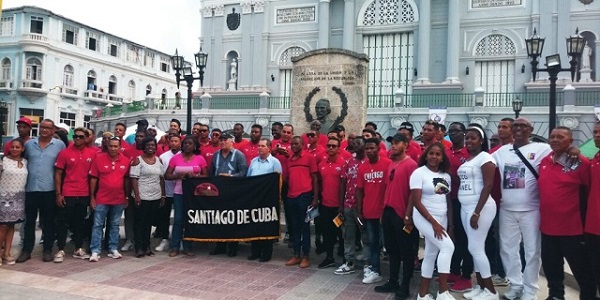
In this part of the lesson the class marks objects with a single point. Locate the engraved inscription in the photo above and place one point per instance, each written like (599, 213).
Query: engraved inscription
(296, 15)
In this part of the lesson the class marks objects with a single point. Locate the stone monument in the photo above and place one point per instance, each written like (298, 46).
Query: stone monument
(232, 84)
(329, 85)
(586, 70)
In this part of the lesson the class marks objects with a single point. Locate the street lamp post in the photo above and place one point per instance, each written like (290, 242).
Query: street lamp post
(535, 45)
(180, 65)
(3, 112)
(517, 105)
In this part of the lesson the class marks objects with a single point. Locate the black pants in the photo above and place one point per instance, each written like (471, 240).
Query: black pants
(287, 210)
(144, 216)
(163, 219)
(72, 217)
(329, 230)
(572, 248)
(400, 246)
(45, 203)
(262, 249)
(492, 249)
(592, 243)
(462, 261)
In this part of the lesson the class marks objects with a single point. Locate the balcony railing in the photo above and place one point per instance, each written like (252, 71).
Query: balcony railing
(6, 84)
(28, 83)
(175, 104)
(235, 103)
(279, 102)
(34, 37)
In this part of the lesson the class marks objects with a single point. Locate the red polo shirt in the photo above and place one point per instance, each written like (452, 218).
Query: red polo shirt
(132, 152)
(397, 191)
(559, 196)
(456, 158)
(592, 221)
(208, 152)
(76, 165)
(372, 179)
(250, 150)
(330, 172)
(111, 178)
(414, 150)
(318, 153)
(300, 170)
(282, 159)
(322, 141)
(241, 144)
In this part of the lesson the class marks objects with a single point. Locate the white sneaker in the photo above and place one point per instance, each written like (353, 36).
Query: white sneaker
(366, 270)
(114, 254)
(95, 257)
(474, 292)
(527, 296)
(81, 254)
(164, 244)
(59, 256)
(127, 246)
(445, 296)
(344, 269)
(499, 281)
(487, 295)
(512, 294)
(372, 277)
(426, 297)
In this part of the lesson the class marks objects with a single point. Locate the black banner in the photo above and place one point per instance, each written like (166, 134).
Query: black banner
(234, 209)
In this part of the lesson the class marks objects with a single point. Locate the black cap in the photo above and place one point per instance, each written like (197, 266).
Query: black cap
(340, 128)
(397, 137)
(226, 136)
(142, 122)
(176, 121)
(408, 126)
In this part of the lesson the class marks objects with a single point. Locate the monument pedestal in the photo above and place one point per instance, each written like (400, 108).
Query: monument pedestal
(585, 75)
(232, 85)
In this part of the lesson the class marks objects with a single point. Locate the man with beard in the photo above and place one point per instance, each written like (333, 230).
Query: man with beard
(250, 150)
(428, 133)
(238, 132)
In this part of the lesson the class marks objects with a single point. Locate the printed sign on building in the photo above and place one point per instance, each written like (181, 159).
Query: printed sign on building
(295, 15)
(494, 3)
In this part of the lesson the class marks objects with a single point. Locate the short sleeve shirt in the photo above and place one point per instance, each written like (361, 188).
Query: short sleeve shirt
(471, 179)
(350, 174)
(592, 222)
(40, 168)
(169, 184)
(330, 172)
(76, 165)
(300, 170)
(179, 165)
(398, 191)
(425, 180)
(111, 178)
(372, 178)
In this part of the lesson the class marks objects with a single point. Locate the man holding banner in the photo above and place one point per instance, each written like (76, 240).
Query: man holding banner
(264, 163)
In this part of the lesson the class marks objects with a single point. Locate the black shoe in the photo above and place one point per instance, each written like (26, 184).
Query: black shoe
(219, 249)
(140, 253)
(388, 287)
(253, 257)
(327, 263)
(264, 259)
(402, 293)
(25, 256)
(47, 256)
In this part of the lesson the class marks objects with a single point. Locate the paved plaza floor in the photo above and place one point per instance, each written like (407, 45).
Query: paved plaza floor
(199, 277)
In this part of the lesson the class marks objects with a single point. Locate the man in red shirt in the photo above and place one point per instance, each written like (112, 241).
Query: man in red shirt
(201, 132)
(302, 193)
(119, 131)
(209, 150)
(276, 128)
(342, 150)
(135, 151)
(414, 149)
(24, 129)
(91, 139)
(441, 136)
(428, 133)
(109, 185)
(72, 192)
(562, 185)
(313, 147)
(282, 151)
(330, 180)
(400, 245)
(250, 150)
(321, 139)
(592, 224)
(370, 192)
(369, 134)
(238, 132)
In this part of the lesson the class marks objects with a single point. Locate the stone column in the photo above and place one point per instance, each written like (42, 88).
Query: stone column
(323, 24)
(424, 41)
(349, 21)
(453, 42)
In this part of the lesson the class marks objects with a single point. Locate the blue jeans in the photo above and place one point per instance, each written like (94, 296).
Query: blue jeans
(177, 232)
(301, 233)
(113, 213)
(373, 229)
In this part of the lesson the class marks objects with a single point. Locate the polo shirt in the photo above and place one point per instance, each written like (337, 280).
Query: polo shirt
(132, 152)
(241, 144)
(321, 141)
(456, 158)
(592, 221)
(259, 166)
(350, 174)
(559, 196)
(414, 150)
(282, 159)
(250, 151)
(208, 152)
(111, 178)
(76, 165)
(330, 171)
(300, 170)
(318, 152)
(397, 191)
(372, 178)
(40, 167)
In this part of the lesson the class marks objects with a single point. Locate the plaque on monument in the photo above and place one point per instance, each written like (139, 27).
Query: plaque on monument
(329, 85)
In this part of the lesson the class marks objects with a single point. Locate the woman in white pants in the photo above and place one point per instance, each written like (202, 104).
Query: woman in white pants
(478, 209)
(429, 185)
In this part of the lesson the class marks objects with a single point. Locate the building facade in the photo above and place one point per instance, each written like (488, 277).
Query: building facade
(57, 68)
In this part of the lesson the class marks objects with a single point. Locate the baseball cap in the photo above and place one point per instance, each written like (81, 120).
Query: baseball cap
(153, 127)
(142, 122)
(25, 120)
(408, 126)
(63, 126)
(226, 136)
(397, 137)
(340, 128)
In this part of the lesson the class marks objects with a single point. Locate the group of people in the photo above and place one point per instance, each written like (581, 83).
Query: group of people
(473, 205)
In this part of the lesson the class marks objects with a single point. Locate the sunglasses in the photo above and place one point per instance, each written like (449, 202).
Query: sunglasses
(332, 146)
(114, 138)
(311, 135)
(77, 136)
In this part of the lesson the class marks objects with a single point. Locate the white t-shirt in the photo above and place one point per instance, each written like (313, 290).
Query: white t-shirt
(519, 186)
(471, 179)
(169, 184)
(425, 180)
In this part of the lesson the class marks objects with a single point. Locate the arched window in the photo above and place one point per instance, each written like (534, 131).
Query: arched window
(148, 90)
(285, 70)
(6, 66)
(112, 85)
(131, 86)
(68, 76)
(388, 12)
(286, 56)
(34, 69)
(495, 68)
(495, 45)
(91, 81)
